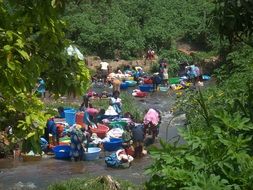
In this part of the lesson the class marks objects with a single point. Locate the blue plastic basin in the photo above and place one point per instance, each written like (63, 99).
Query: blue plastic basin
(92, 154)
(113, 145)
(62, 152)
(70, 116)
(146, 88)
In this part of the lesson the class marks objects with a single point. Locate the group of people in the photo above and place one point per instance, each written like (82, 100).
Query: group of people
(133, 136)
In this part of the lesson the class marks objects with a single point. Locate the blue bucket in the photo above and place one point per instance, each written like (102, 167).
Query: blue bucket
(62, 152)
(70, 116)
(92, 154)
(123, 85)
(113, 145)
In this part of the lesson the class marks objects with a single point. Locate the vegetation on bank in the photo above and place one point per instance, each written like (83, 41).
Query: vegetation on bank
(98, 183)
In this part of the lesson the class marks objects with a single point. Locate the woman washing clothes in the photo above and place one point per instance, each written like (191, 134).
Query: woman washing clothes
(79, 143)
(152, 119)
(115, 102)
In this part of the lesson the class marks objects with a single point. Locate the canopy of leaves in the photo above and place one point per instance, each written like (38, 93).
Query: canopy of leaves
(32, 45)
(218, 150)
(132, 26)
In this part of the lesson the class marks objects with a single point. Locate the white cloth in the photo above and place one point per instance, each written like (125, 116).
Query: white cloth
(104, 65)
(72, 50)
(110, 111)
(115, 133)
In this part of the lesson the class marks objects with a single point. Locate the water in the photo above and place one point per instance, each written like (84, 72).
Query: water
(15, 174)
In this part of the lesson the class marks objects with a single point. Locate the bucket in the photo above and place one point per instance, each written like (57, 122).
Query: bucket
(92, 154)
(70, 116)
(123, 85)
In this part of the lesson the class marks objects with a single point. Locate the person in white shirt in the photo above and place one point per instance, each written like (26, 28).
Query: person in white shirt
(104, 68)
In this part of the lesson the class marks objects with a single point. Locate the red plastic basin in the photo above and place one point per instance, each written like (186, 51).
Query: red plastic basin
(101, 130)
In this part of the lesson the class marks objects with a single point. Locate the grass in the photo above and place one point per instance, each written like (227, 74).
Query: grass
(99, 183)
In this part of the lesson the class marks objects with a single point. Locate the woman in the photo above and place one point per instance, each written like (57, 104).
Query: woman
(79, 143)
(165, 75)
(115, 102)
(152, 119)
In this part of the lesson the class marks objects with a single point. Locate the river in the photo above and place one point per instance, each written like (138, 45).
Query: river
(16, 174)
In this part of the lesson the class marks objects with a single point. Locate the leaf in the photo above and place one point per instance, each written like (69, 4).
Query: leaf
(11, 65)
(24, 54)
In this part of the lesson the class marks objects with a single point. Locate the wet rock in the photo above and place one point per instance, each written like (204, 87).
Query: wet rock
(24, 186)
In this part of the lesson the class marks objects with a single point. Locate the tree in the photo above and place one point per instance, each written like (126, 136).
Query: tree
(32, 45)
(234, 19)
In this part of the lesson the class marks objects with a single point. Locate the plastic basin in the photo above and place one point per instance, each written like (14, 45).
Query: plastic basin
(101, 130)
(148, 81)
(92, 154)
(119, 124)
(123, 85)
(131, 83)
(146, 88)
(62, 152)
(70, 116)
(164, 89)
(113, 145)
(175, 80)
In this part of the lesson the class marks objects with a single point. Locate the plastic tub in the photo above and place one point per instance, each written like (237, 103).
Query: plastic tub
(101, 130)
(131, 83)
(148, 81)
(79, 118)
(113, 145)
(62, 152)
(146, 88)
(140, 94)
(70, 116)
(163, 89)
(175, 80)
(92, 154)
(123, 86)
(119, 124)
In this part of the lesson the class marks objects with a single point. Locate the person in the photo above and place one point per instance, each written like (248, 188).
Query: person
(104, 69)
(156, 81)
(165, 75)
(151, 121)
(85, 103)
(51, 127)
(138, 139)
(161, 70)
(89, 116)
(115, 102)
(100, 116)
(79, 143)
(41, 87)
(116, 84)
(118, 71)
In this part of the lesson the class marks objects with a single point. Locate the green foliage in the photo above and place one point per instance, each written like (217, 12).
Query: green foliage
(32, 45)
(87, 184)
(218, 149)
(175, 58)
(233, 18)
(130, 27)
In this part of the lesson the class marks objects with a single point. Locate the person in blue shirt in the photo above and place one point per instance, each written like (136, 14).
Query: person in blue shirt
(41, 87)
(51, 127)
